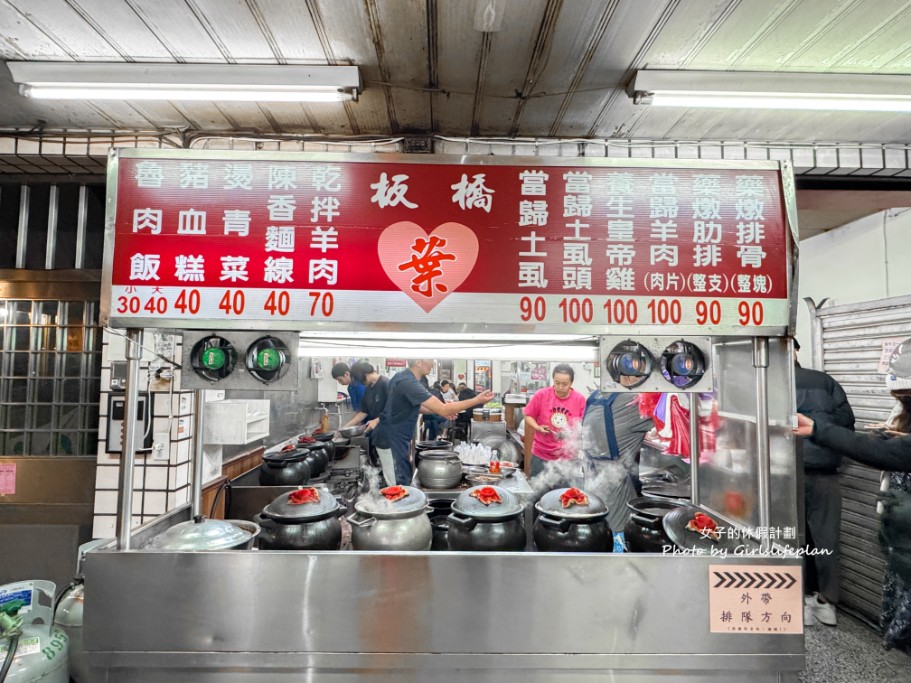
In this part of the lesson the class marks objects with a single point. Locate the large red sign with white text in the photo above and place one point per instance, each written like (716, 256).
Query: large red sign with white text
(206, 239)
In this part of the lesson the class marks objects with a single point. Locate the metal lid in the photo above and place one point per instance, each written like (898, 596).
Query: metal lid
(681, 490)
(551, 503)
(204, 534)
(319, 504)
(376, 504)
(675, 523)
(655, 507)
(284, 457)
(470, 505)
(439, 455)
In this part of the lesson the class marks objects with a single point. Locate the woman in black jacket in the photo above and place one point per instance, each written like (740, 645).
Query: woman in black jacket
(886, 451)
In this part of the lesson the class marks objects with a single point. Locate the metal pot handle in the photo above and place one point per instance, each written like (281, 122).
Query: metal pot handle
(265, 522)
(369, 521)
(555, 524)
(467, 523)
(653, 523)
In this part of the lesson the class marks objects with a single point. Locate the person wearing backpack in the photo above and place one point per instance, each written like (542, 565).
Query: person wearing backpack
(613, 430)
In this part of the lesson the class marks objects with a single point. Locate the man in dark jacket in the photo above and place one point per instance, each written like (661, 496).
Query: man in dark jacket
(821, 397)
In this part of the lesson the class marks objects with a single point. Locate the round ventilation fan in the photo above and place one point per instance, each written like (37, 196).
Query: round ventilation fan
(682, 364)
(268, 359)
(213, 358)
(629, 364)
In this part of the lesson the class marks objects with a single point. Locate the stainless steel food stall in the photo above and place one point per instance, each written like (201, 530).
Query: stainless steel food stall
(530, 616)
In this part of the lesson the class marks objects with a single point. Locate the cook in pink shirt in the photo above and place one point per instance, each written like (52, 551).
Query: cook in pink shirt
(549, 412)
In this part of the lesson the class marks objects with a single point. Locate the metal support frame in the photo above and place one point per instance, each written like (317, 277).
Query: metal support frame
(761, 364)
(198, 455)
(694, 448)
(127, 463)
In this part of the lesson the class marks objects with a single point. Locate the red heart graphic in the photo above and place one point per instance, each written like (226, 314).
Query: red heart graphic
(428, 268)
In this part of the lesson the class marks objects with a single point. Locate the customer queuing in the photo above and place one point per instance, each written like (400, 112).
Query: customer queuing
(819, 396)
(893, 453)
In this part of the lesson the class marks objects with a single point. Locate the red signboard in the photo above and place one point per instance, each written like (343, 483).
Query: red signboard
(204, 239)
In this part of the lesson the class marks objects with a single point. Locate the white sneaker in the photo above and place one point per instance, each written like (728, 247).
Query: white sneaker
(810, 599)
(825, 613)
(809, 617)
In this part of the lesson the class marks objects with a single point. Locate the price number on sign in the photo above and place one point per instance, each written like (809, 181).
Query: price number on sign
(532, 308)
(621, 312)
(323, 304)
(233, 302)
(157, 305)
(664, 311)
(750, 314)
(188, 301)
(708, 312)
(577, 310)
(278, 303)
(128, 304)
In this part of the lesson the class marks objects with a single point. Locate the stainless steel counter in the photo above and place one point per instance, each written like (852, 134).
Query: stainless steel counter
(416, 617)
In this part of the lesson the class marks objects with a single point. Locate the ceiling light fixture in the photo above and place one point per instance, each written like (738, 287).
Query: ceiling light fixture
(209, 82)
(511, 352)
(768, 90)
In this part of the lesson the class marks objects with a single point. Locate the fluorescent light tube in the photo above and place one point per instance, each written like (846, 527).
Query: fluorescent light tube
(779, 101)
(177, 94)
(772, 90)
(213, 82)
(540, 352)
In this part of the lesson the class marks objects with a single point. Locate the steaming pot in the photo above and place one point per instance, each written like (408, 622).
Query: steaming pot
(379, 524)
(574, 529)
(494, 527)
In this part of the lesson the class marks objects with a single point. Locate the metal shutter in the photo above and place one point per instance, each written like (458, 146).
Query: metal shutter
(850, 340)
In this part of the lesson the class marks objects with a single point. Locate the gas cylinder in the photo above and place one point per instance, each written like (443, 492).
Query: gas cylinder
(27, 610)
(69, 615)
(69, 619)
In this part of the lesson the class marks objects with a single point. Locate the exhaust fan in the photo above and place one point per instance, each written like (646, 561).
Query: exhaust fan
(682, 364)
(629, 364)
(213, 358)
(268, 359)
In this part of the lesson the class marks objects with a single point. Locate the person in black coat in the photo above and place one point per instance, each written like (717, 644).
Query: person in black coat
(821, 397)
(889, 453)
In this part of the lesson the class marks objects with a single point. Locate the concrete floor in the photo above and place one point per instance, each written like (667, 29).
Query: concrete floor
(851, 652)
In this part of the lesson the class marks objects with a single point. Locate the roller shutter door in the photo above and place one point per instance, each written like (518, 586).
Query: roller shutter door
(852, 338)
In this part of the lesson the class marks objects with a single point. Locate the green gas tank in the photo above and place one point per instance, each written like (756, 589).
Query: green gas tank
(26, 623)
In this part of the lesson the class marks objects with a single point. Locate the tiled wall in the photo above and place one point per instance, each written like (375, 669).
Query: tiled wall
(161, 479)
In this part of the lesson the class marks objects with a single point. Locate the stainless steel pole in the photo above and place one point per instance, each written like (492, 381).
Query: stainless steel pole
(198, 456)
(694, 448)
(761, 363)
(128, 445)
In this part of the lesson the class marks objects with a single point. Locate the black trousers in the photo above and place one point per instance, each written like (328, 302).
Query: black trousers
(823, 513)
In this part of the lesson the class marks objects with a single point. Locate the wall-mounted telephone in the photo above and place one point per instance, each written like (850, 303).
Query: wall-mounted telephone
(116, 411)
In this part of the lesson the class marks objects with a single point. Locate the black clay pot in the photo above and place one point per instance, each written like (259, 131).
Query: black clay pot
(578, 527)
(317, 458)
(286, 526)
(285, 468)
(555, 535)
(439, 522)
(472, 533)
(495, 525)
(645, 531)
